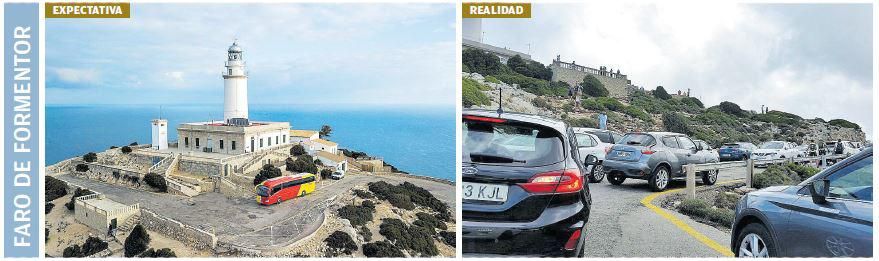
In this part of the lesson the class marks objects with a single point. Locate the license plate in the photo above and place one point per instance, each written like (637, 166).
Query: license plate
(724, 155)
(623, 154)
(485, 192)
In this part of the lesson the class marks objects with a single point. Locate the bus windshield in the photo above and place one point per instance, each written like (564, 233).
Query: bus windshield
(262, 190)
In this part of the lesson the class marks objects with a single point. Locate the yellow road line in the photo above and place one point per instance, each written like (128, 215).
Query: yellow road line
(648, 202)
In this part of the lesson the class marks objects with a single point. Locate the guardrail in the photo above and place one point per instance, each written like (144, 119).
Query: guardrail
(691, 169)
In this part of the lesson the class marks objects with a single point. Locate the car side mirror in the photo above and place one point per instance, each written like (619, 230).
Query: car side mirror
(820, 189)
(590, 160)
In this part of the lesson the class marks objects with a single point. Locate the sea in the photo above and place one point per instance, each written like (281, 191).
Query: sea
(418, 140)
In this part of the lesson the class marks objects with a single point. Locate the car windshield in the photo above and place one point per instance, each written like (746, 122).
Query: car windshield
(514, 144)
(638, 139)
(262, 191)
(772, 145)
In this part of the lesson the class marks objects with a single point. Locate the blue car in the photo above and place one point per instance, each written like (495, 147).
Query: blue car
(828, 215)
(736, 151)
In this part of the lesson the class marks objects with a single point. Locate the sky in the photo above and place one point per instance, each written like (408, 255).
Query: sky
(327, 54)
(813, 60)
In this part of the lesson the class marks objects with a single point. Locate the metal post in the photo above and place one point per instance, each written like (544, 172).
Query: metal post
(691, 180)
(749, 174)
(823, 161)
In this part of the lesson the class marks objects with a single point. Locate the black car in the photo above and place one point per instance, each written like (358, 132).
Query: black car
(523, 190)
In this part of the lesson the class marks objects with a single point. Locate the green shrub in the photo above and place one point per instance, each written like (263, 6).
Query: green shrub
(700, 208)
(303, 163)
(844, 124)
(164, 252)
(448, 237)
(774, 175)
(731, 109)
(72, 251)
(49, 207)
(592, 87)
(727, 200)
(675, 122)
(268, 171)
(82, 167)
(417, 239)
(491, 79)
(660, 93)
(55, 188)
(481, 62)
(541, 102)
(126, 149)
(92, 246)
(582, 122)
(90, 157)
(406, 195)
(429, 221)
(381, 249)
(365, 233)
(357, 215)
(533, 85)
(137, 241)
(156, 181)
(637, 113)
(297, 150)
(529, 68)
(803, 171)
(471, 94)
(340, 243)
(363, 194)
(692, 101)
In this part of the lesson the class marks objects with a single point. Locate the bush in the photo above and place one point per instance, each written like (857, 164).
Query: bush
(303, 163)
(444, 216)
(638, 113)
(164, 252)
(363, 194)
(357, 215)
(156, 181)
(429, 221)
(675, 122)
(803, 171)
(137, 241)
(268, 171)
(55, 188)
(491, 79)
(126, 149)
(93, 245)
(133, 144)
(365, 233)
(727, 200)
(381, 249)
(82, 167)
(534, 85)
(529, 68)
(582, 122)
(403, 195)
(481, 62)
(471, 94)
(448, 237)
(90, 157)
(49, 207)
(325, 173)
(700, 208)
(731, 108)
(541, 102)
(297, 150)
(844, 124)
(79, 192)
(661, 93)
(72, 251)
(692, 101)
(415, 238)
(592, 87)
(774, 175)
(340, 243)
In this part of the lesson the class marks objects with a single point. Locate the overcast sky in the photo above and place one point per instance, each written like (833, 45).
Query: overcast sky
(813, 60)
(347, 54)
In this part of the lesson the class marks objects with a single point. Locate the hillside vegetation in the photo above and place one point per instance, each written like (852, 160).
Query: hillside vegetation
(643, 110)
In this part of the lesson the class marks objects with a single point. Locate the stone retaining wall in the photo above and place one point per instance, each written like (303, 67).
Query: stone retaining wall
(444, 181)
(199, 167)
(190, 236)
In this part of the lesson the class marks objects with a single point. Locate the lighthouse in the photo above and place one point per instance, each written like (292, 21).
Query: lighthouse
(235, 88)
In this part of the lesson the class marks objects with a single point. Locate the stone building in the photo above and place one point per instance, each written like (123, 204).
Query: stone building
(338, 162)
(99, 212)
(617, 84)
(303, 136)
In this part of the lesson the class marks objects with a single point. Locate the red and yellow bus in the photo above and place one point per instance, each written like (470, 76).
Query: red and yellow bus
(276, 190)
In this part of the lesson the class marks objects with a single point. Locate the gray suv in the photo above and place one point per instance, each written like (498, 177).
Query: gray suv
(657, 157)
(828, 215)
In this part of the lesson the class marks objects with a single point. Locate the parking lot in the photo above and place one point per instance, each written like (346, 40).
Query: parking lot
(620, 226)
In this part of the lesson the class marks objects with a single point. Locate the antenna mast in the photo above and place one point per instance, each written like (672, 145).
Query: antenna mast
(500, 100)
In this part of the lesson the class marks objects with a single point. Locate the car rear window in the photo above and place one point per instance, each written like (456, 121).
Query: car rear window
(604, 136)
(637, 139)
(511, 144)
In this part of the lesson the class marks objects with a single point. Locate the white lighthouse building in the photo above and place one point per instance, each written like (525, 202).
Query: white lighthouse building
(235, 87)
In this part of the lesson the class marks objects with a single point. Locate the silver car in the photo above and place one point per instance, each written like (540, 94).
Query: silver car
(657, 157)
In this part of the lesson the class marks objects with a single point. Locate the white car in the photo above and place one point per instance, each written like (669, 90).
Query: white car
(590, 144)
(772, 150)
(337, 175)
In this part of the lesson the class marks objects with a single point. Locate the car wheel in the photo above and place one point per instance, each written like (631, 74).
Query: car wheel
(615, 179)
(754, 241)
(709, 177)
(597, 174)
(659, 179)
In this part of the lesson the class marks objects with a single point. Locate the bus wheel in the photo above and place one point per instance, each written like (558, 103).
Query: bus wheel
(303, 194)
(279, 200)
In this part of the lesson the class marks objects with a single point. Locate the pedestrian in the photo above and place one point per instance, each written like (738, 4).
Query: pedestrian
(839, 148)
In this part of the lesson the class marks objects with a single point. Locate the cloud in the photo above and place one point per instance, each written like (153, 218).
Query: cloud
(813, 60)
(74, 75)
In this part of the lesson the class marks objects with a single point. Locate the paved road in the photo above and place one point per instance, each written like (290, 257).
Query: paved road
(619, 226)
(243, 222)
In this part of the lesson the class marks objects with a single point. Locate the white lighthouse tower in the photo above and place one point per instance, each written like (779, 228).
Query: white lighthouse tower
(235, 85)
(159, 134)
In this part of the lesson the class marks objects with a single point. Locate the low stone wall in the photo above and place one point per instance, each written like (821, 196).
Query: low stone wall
(198, 167)
(190, 236)
(102, 172)
(444, 181)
